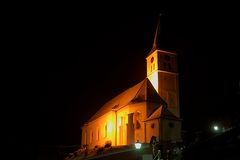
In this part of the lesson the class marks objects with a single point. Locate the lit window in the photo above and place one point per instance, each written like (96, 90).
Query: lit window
(105, 130)
(97, 134)
(85, 137)
(121, 121)
(91, 136)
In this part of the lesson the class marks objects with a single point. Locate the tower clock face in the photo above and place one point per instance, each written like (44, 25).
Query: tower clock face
(152, 59)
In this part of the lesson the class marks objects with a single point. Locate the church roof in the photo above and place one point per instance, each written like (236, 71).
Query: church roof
(143, 91)
(162, 112)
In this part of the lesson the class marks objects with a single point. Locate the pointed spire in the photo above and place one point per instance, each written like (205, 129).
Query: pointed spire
(156, 37)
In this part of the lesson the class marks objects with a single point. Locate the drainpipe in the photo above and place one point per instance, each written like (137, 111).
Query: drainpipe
(145, 134)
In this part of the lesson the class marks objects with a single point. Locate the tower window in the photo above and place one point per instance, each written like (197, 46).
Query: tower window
(152, 59)
(169, 66)
(164, 65)
(167, 57)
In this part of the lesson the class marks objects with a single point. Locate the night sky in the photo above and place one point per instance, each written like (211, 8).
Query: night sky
(69, 62)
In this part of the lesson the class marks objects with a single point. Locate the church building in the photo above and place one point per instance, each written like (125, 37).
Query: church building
(149, 108)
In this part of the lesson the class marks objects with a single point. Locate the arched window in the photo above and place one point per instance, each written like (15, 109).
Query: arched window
(105, 130)
(98, 134)
(90, 136)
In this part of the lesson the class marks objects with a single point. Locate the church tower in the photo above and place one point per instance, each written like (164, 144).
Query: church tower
(162, 71)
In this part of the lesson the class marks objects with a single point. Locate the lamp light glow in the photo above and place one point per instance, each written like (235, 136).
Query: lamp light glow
(216, 128)
(138, 145)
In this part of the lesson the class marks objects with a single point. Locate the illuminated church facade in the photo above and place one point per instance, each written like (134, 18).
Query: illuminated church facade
(149, 108)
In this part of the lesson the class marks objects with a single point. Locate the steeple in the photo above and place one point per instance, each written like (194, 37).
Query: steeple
(163, 73)
(156, 37)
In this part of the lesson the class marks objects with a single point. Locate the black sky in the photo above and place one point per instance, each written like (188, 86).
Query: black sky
(71, 62)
